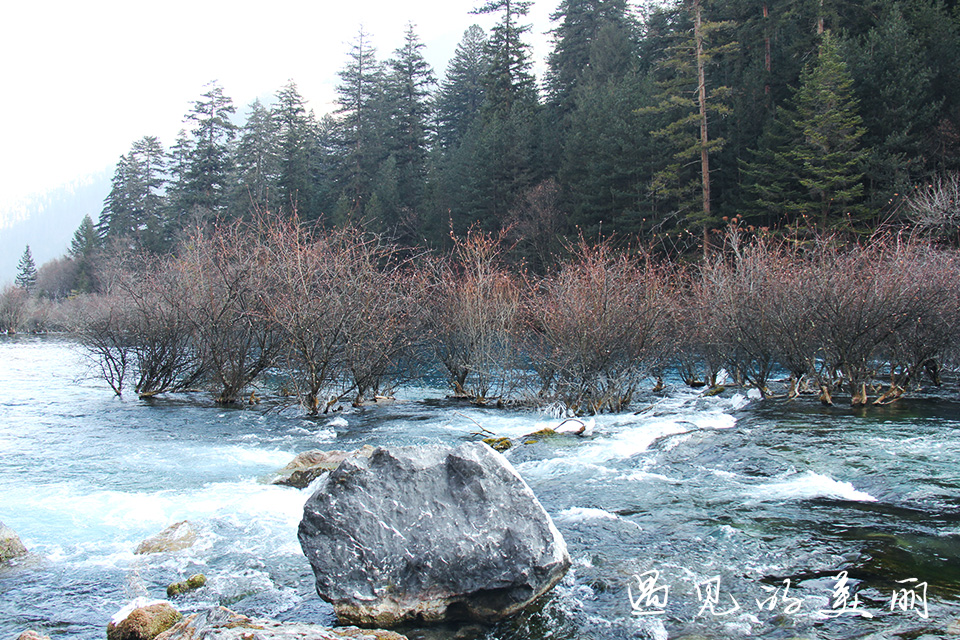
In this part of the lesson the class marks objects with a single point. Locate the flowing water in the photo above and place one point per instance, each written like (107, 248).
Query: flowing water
(701, 517)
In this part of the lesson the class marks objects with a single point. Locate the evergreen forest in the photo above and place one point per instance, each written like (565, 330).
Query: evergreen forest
(655, 127)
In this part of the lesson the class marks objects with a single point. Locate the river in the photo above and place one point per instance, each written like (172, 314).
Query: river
(715, 517)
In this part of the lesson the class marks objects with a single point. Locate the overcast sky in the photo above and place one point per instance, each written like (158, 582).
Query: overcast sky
(83, 80)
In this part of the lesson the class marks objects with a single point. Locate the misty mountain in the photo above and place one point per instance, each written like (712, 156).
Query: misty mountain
(47, 222)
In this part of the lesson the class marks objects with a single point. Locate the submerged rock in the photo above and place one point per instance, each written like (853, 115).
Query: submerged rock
(310, 465)
(30, 634)
(142, 619)
(429, 533)
(222, 624)
(176, 537)
(192, 583)
(499, 444)
(10, 545)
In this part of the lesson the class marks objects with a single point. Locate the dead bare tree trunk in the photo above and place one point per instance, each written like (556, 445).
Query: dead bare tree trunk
(704, 138)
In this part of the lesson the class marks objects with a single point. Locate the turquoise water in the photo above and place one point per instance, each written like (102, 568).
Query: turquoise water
(723, 516)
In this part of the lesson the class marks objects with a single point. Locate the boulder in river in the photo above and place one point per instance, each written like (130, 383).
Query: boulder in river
(220, 623)
(10, 545)
(142, 619)
(310, 465)
(176, 537)
(30, 634)
(427, 534)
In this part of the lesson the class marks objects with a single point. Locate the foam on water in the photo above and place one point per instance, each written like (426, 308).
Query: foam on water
(69, 522)
(581, 514)
(558, 467)
(807, 486)
(250, 456)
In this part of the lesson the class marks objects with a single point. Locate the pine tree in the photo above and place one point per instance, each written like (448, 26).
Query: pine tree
(408, 101)
(119, 215)
(581, 23)
(897, 104)
(361, 127)
(509, 80)
(296, 132)
(461, 93)
(827, 130)
(257, 163)
(150, 157)
(608, 158)
(26, 271)
(134, 210)
(498, 161)
(209, 164)
(178, 159)
(594, 44)
(686, 104)
(84, 248)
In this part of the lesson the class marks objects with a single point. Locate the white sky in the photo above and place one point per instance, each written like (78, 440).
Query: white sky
(82, 81)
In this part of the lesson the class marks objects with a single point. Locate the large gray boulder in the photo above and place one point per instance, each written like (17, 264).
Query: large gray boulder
(429, 533)
(220, 623)
(10, 545)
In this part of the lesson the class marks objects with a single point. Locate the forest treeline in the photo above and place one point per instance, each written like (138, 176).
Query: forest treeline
(651, 127)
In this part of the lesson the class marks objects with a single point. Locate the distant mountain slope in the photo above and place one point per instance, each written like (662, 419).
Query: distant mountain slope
(47, 222)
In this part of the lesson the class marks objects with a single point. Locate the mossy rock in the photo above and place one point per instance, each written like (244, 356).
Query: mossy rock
(10, 545)
(192, 583)
(499, 444)
(144, 623)
(540, 435)
(714, 391)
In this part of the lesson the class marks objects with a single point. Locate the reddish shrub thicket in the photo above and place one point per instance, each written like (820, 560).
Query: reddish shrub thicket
(597, 328)
(343, 314)
(836, 314)
(472, 316)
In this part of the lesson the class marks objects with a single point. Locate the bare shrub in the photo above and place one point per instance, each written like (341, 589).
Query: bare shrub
(165, 353)
(862, 301)
(598, 327)
(56, 278)
(138, 327)
(472, 316)
(922, 340)
(380, 293)
(343, 302)
(306, 311)
(14, 303)
(750, 289)
(537, 224)
(935, 207)
(793, 308)
(105, 336)
(225, 300)
(701, 346)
